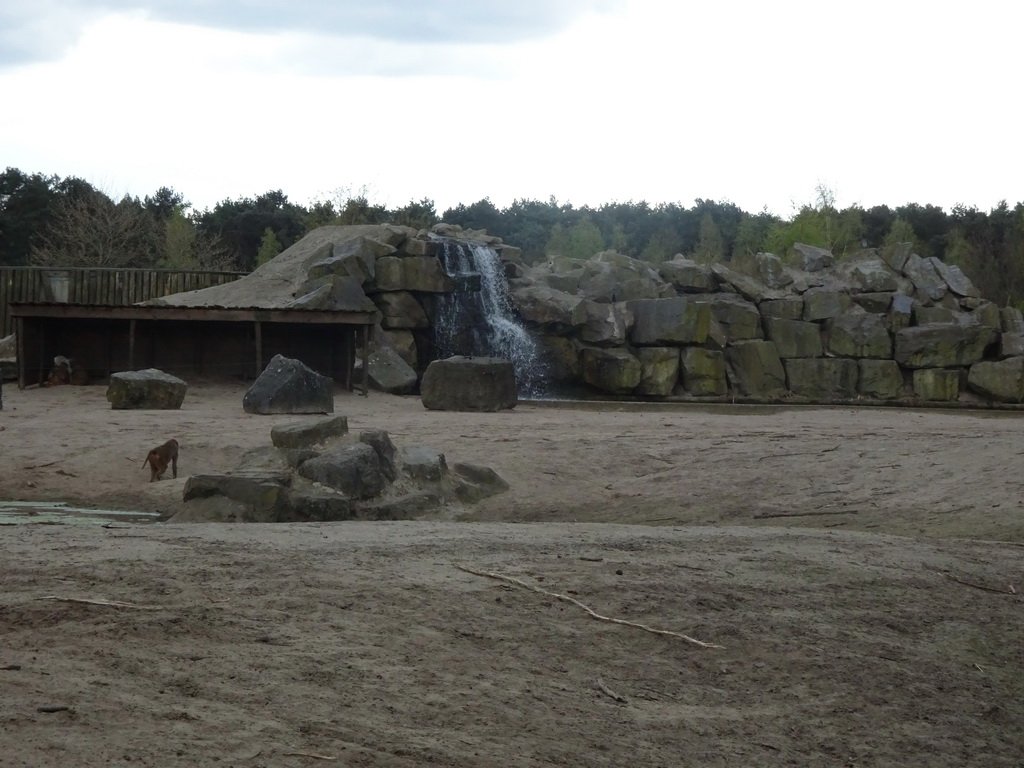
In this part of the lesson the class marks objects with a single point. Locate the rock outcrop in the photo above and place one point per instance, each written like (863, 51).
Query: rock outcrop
(469, 384)
(289, 386)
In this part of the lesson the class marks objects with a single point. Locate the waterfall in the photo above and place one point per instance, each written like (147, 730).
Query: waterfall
(477, 318)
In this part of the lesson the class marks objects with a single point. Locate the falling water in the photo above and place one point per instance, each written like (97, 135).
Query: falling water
(477, 318)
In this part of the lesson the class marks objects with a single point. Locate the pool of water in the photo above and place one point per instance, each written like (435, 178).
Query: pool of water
(61, 513)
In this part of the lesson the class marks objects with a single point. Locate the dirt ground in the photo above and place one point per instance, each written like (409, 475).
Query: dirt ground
(861, 569)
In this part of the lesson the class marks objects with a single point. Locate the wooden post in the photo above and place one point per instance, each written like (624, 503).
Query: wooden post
(43, 376)
(131, 345)
(348, 337)
(259, 348)
(20, 324)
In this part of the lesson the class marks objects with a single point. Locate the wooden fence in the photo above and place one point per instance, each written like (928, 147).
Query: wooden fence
(101, 287)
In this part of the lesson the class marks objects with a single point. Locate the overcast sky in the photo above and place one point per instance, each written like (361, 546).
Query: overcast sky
(591, 101)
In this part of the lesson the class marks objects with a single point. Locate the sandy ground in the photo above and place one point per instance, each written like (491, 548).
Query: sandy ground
(862, 570)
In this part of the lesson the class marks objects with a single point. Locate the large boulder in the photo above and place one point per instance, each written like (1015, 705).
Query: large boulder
(794, 338)
(789, 308)
(424, 465)
(822, 378)
(736, 316)
(748, 287)
(772, 271)
(353, 469)
(954, 277)
(943, 345)
(411, 273)
(303, 434)
(869, 274)
(400, 309)
(703, 372)
(260, 493)
(822, 303)
(755, 369)
(679, 320)
(858, 334)
(353, 258)
(687, 276)
(149, 389)
(942, 384)
(615, 371)
(880, 379)
(462, 383)
(554, 310)
(813, 258)
(605, 324)
(387, 453)
(289, 386)
(388, 372)
(1002, 380)
(659, 370)
(332, 293)
(926, 279)
(472, 482)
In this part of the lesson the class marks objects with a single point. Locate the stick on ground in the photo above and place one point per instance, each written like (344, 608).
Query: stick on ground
(109, 603)
(588, 609)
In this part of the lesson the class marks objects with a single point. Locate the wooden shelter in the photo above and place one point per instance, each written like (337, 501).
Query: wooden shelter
(214, 342)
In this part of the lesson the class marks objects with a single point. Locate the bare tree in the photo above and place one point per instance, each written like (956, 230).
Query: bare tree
(91, 230)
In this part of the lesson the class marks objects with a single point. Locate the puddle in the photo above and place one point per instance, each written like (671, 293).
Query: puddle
(60, 513)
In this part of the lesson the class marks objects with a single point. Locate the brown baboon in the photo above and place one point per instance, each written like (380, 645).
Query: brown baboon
(160, 457)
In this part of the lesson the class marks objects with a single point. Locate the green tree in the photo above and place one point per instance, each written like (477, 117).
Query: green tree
(270, 246)
(186, 247)
(901, 232)
(710, 247)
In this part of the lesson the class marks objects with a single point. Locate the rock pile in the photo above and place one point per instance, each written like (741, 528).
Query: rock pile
(319, 472)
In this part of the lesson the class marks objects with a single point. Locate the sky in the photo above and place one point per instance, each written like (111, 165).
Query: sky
(588, 101)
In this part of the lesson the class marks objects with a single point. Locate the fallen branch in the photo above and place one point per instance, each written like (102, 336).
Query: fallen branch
(609, 692)
(770, 516)
(108, 603)
(982, 587)
(800, 453)
(314, 755)
(585, 607)
(40, 466)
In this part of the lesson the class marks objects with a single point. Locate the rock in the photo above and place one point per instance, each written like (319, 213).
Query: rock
(955, 279)
(424, 464)
(610, 277)
(880, 379)
(260, 492)
(399, 339)
(703, 372)
(149, 389)
(353, 258)
(822, 378)
(1011, 320)
(749, 288)
(942, 345)
(772, 270)
(303, 434)
(614, 371)
(418, 246)
(925, 278)
(659, 370)
(462, 383)
(473, 483)
(680, 320)
(986, 314)
(389, 373)
(411, 273)
(900, 313)
(791, 308)
(354, 470)
(1011, 345)
(823, 303)
(332, 293)
(400, 309)
(406, 507)
(814, 259)
(312, 505)
(687, 276)
(876, 303)
(605, 324)
(738, 317)
(896, 255)
(387, 454)
(755, 369)
(858, 334)
(937, 383)
(922, 315)
(794, 338)
(561, 357)
(289, 386)
(1002, 381)
(869, 274)
(553, 310)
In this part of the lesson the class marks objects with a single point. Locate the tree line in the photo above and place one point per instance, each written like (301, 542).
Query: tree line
(48, 220)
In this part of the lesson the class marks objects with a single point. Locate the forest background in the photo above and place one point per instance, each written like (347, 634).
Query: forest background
(67, 222)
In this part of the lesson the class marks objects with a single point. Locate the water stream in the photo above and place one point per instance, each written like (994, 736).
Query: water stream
(60, 513)
(477, 318)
